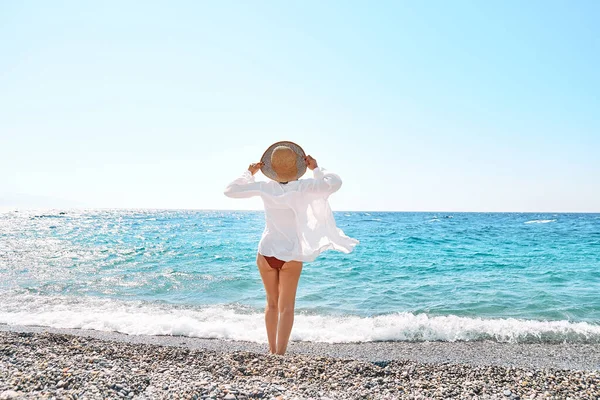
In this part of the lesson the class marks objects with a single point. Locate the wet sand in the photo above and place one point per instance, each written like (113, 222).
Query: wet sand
(525, 355)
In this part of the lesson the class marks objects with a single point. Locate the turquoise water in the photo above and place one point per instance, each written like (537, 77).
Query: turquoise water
(414, 276)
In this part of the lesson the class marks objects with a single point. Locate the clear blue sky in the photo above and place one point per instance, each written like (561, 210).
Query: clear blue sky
(439, 105)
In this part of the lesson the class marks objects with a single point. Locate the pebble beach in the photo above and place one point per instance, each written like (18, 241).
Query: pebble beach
(39, 364)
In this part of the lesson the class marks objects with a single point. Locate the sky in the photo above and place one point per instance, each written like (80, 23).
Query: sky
(419, 106)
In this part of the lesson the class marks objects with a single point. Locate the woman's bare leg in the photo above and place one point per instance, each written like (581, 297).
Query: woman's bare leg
(270, 278)
(289, 275)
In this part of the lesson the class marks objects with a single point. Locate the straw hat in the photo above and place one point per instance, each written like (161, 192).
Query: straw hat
(283, 162)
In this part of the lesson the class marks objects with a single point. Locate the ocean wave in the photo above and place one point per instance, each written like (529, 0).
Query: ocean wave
(242, 323)
(540, 221)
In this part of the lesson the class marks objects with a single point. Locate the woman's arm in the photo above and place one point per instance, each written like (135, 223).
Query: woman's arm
(245, 186)
(324, 182)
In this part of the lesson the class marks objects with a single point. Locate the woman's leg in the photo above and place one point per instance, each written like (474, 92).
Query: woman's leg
(270, 278)
(289, 275)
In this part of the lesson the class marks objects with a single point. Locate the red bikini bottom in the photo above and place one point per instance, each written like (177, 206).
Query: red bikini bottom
(274, 262)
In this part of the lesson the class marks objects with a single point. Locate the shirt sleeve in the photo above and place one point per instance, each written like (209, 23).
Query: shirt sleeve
(244, 186)
(324, 182)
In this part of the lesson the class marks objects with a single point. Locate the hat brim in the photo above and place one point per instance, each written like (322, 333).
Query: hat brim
(267, 169)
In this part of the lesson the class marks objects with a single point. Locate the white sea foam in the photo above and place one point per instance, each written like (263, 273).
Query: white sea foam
(540, 221)
(240, 323)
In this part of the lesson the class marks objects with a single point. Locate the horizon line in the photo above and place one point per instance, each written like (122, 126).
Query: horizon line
(17, 209)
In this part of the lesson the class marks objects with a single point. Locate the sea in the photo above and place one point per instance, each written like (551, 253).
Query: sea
(427, 276)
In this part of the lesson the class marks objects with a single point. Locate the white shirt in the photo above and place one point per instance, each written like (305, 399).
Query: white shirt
(299, 221)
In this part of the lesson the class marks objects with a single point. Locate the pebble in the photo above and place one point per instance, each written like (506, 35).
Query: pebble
(49, 365)
(8, 394)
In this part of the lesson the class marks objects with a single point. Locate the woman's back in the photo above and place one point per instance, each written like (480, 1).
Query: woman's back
(299, 224)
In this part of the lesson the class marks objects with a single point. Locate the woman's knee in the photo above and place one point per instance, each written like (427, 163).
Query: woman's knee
(272, 304)
(286, 309)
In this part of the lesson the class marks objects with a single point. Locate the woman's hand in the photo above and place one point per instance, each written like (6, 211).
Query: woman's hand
(253, 168)
(311, 163)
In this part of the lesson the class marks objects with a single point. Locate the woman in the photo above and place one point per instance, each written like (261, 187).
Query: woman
(299, 226)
